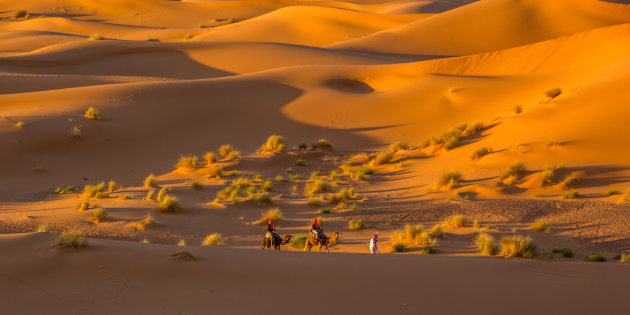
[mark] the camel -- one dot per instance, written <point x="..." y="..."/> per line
<point x="266" y="242"/>
<point x="312" y="241"/>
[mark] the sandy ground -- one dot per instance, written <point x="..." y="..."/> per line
<point x="184" y="77"/>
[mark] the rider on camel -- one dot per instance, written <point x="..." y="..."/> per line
<point x="317" y="231"/>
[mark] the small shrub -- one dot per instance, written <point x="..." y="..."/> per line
<point x="294" y="189"/>
<point x="398" y="247"/>
<point x="209" y="158"/>
<point x="356" y="224"/>
<point x="263" y="199"/>
<point x="181" y="242"/>
<point x="450" y="179"/>
<point x="20" y="124"/>
<point x="325" y="210"/>
<point x="184" y="255"/>
<point x="301" y="162"/>
<point x="322" y="144"/>
<point x="342" y="195"/>
<point x="72" y="239"/>
<point x="19" y="14"/>
<point x="360" y="173"/>
<point x="296" y="177"/>
<point x="112" y="186"/>
<point x="315" y="175"/>
<point x="233" y="156"/>
<point x="612" y="192"/>
<point x="624" y="258"/>
<point x="271" y="214"/>
<point x="187" y="163"/>
<point x="43" y="228"/>
<point x="274" y="143"/>
<point x="553" y="93"/>
<point x="318" y="186"/>
<point x="213" y="239"/>
<point x="481" y="152"/>
<point x="313" y="202"/>
<point x="65" y="190"/>
<point x="225" y="149"/>
<point x="281" y="178"/>
<point x="437" y="231"/>
<point x="150" y="181"/>
<point x="455" y="221"/>
<point x="162" y="193"/>
<point x="518" y="109"/>
<point x="90" y="191"/>
<point x="150" y="194"/>
<point x="188" y="36"/>
<point x="518" y="246"/>
<point x="124" y="197"/>
<point x="595" y="257"/>
<point x="241" y="183"/>
<point x="539" y="225"/>
<point x="334" y="176"/>
<point x="92" y="113"/>
<point x="398" y="146"/>
<point x="75" y="133"/>
<point x="423" y="239"/>
<point x="302" y="146"/>
<point x="299" y="241"/>
<point x="96" y="36"/>
<point x="98" y="215"/>
<point x="382" y="158"/>
<point x="169" y="204"/>
<point x="266" y="186"/>
<point x="196" y="185"/>
<point x="486" y="245"/>
<point x="148" y="220"/>
<point x="429" y="250"/>
<point x="566" y="252"/>
<point x="214" y="171"/>
<point x="570" y="195"/>
<point x="349" y="206"/>
<point x="476" y="224"/>
<point x="411" y="231"/>
<point x="511" y="174"/>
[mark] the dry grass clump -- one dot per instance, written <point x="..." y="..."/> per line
<point x="381" y="158"/>
<point x="612" y="192"/>
<point x="511" y="174"/>
<point x="266" y="186"/>
<point x="322" y="144"/>
<point x="148" y="220"/>
<point x="281" y="179"/>
<point x="325" y="210"/>
<point x="98" y="215"/>
<point x="452" y="138"/>
<point x="411" y="231"/>
<point x="225" y="149"/>
<point x="479" y="153"/>
<point x="71" y="239"/>
<point x="398" y="247"/>
<point x="424" y="239"/>
<point x="595" y="257"/>
<point x="214" y="171"/>
<point x="233" y="156"/>
<point x="360" y="173"/>
<point x="19" y="14"/>
<point x="75" y="133"/>
<point x="162" y="193"/>
<point x="301" y="162"/>
<point x="549" y="175"/>
<point x="455" y="222"/>
<point x="209" y="158"/>
<point x="348" y="206"/>
<point x="184" y="255"/>
<point x="196" y="185"/>
<point x="229" y="193"/>
<point x="437" y="231"/>
<point x="398" y="146"/>
<point x="624" y="258"/>
<point x="92" y="113"/>
<point x="95" y="36"/>
<point x="262" y="199"/>
<point x="65" y="190"/>
<point x="83" y="205"/>
<point x="342" y="195"/>
<point x="98" y="191"/>
<point x="570" y="195"/>
<point x="449" y="179"/>
<point x="518" y="246"/>
<point x="271" y="214"/>
<point x="553" y="93"/>
<point x="213" y="239"/>
<point x="274" y="143"/>
<point x="313" y="202"/>
<point x="181" y="242"/>
<point x="540" y="225"/>
<point x="566" y="252"/>
<point x="44" y="228"/>
<point x="150" y="181"/>
<point x="188" y="36"/>
<point x="186" y="163"/>
<point x="486" y="245"/>
<point x="168" y="204"/>
<point x="112" y="186"/>
<point x="356" y="224"/>
<point x="317" y="186"/>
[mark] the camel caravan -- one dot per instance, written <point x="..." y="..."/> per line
<point x="316" y="237"/>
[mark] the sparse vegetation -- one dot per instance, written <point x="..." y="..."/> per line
<point x="262" y="199"/>
<point x="612" y="192"/>
<point x="325" y="210"/>
<point x="98" y="215"/>
<point x="75" y="133"/>
<point x="511" y="174"/>
<point x="98" y="190"/>
<point x="233" y="156"/>
<point x="65" y="190"/>
<point x="225" y="149"/>
<point x="518" y="246"/>
<point x="481" y="152"/>
<point x="162" y="193"/>
<point x="281" y="179"/>
<point x="342" y="195"/>
<point x="348" y="206"/>
<point x="112" y="186"/>
<point x="214" y="171"/>
<point x="274" y="143"/>
<point x="398" y="247"/>
<point x="356" y="224"/>
<point x="595" y="257"/>
<point x="187" y="163"/>
<point x="184" y="255"/>
<point x="266" y="186"/>
<point x="570" y="195"/>
<point x="398" y="146"/>
<point x="437" y="231"/>
<point x="71" y="239"/>
<point x="455" y="221"/>
<point x="553" y="93"/>
<point x="169" y="204"/>
<point x="209" y="158"/>
<point x="188" y="36"/>
<point x="317" y="186"/>
<point x="213" y="239"/>
<point x="553" y="143"/>
<point x="486" y="245"/>
<point x="424" y="239"/>
<point x="83" y="205"/>
<point x="540" y="225"/>
<point x="452" y="138"/>
<point x="301" y="162"/>
<point x="271" y="214"/>
<point x="382" y="158"/>
<point x="20" y="14"/>
<point x="450" y="179"/>
<point x="299" y="241"/>
<point x="92" y="113"/>
<point x="44" y="228"/>
<point x="313" y="202"/>
<point x="566" y="252"/>
<point x="95" y="36"/>
<point x="150" y="181"/>
<point x="322" y="144"/>
<point x="429" y="250"/>
<point x="196" y="185"/>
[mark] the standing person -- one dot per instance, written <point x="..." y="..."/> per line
<point x="374" y="245"/>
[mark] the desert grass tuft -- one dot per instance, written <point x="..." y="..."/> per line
<point x="553" y="93"/>
<point x="344" y="194"/>
<point x="71" y="239"/>
<point x="266" y="186"/>
<point x="169" y="204"/>
<point x="99" y="215"/>
<point x="518" y="246"/>
<point x="424" y="239"/>
<point x="162" y="193"/>
<point x="83" y="205"/>
<point x="187" y="163"/>
<point x="450" y="179"/>
<point x="479" y="153"/>
<point x="486" y="245"/>
<point x="92" y="113"/>
<point x="150" y="181"/>
<point x="356" y="224"/>
<point x="233" y="156"/>
<point x="381" y="158"/>
<point x="262" y="199"/>
<point x="209" y="158"/>
<point x="196" y="185"/>
<point x="313" y="202"/>
<point x="214" y="171"/>
<point x="65" y="190"/>
<point x="612" y="192"/>
<point x="429" y="250"/>
<point x="566" y="252"/>
<point x="96" y="36"/>
<point x="112" y="186"/>
<point x="299" y="241"/>
<point x="213" y="239"/>
<point x="398" y="247"/>
<point x="90" y="191"/>
<point x="322" y="144"/>
<point x="274" y="143"/>
<point x="398" y="146"/>
<point x="325" y="210"/>
<point x="281" y="179"/>
<point x="20" y="14"/>
<point x="44" y="228"/>
<point x="225" y="149"/>
<point x="317" y="186"/>
<point x="75" y="133"/>
<point x="570" y="195"/>
<point x="540" y="225"/>
<point x="271" y="214"/>
<point x="411" y="231"/>
<point x="437" y="231"/>
<point x="595" y="257"/>
<point x="455" y="221"/>
<point x="511" y="174"/>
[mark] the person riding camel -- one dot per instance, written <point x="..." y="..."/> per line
<point x="271" y="232"/>
<point x="316" y="230"/>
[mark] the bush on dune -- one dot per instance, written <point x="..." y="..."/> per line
<point x="214" y="171"/>
<point x="213" y="239"/>
<point x="518" y="246"/>
<point x="455" y="222"/>
<point x="356" y="224"/>
<point x="299" y="241"/>
<point x="479" y="153"/>
<point x="274" y="143"/>
<point x="209" y="158"/>
<point x="540" y="225"/>
<point x="150" y="181"/>
<point x="169" y="204"/>
<point x="271" y="214"/>
<point x="187" y="163"/>
<point x="98" y="215"/>
<point x="450" y="179"/>
<point x="318" y="186"/>
<point x="511" y="174"/>
<point x="322" y="144"/>
<point x="92" y="113"/>
<point x="486" y="245"/>
<point x="398" y="146"/>
<point x="71" y="239"/>
<point x="225" y="149"/>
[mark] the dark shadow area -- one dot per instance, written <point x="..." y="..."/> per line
<point x="350" y="86"/>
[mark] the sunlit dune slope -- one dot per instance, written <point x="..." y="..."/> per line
<point x="491" y="25"/>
